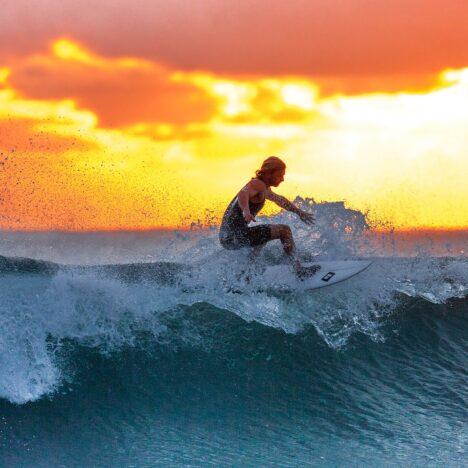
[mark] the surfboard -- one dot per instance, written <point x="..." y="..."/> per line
<point x="283" y="278"/>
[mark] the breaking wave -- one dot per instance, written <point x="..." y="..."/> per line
<point x="48" y="308"/>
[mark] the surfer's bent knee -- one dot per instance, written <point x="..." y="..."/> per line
<point x="280" y="231"/>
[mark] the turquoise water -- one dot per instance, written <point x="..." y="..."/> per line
<point x="251" y="394"/>
<point x="160" y="363"/>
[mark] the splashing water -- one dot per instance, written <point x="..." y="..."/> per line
<point x="45" y="305"/>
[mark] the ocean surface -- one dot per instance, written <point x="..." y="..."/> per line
<point x="134" y="349"/>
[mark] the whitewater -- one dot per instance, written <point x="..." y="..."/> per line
<point x="149" y="348"/>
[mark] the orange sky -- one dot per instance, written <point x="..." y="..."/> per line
<point x="139" y="117"/>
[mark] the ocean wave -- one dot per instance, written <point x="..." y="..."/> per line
<point x="110" y="307"/>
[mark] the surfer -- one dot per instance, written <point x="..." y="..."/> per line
<point x="235" y="232"/>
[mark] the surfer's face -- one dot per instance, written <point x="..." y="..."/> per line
<point x="276" y="177"/>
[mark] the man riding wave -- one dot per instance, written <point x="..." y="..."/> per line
<point x="235" y="232"/>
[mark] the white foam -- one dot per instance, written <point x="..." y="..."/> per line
<point x="38" y="312"/>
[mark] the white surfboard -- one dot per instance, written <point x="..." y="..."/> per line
<point x="283" y="278"/>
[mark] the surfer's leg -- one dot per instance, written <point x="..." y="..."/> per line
<point x="255" y="237"/>
<point x="258" y="236"/>
<point x="252" y="267"/>
<point x="229" y="242"/>
<point x="284" y="234"/>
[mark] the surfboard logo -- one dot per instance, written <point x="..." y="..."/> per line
<point x="328" y="276"/>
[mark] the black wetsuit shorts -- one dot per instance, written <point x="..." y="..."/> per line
<point x="235" y="233"/>
<point x="250" y="237"/>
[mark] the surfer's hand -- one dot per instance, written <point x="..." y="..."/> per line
<point x="248" y="217"/>
<point x="307" y="218"/>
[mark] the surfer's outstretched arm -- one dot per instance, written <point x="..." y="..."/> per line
<point x="284" y="203"/>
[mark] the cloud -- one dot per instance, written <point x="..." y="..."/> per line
<point x="73" y="167"/>
<point x="119" y="91"/>
<point x="149" y="98"/>
<point x="34" y="126"/>
<point x="362" y="40"/>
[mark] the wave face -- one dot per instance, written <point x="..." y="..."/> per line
<point x="162" y="360"/>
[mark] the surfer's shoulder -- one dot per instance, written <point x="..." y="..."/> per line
<point x="257" y="184"/>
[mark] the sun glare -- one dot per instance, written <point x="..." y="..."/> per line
<point x="235" y="97"/>
<point x="298" y="95"/>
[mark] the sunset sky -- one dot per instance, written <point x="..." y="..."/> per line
<point x="124" y="114"/>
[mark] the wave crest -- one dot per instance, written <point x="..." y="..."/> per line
<point x="107" y="307"/>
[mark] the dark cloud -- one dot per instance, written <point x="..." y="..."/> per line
<point x="118" y="95"/>
<point x="307" y="37"/>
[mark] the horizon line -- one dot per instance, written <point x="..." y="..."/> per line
<point x="213" y="227"/>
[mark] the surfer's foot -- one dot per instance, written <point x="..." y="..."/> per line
<point x="304" y="272"/>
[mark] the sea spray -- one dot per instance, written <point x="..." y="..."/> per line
<point x="110" y="307"/>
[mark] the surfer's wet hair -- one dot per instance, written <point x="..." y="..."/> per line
<point x="271" y="164"/>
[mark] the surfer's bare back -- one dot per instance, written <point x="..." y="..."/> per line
<point x="235" y="232"/>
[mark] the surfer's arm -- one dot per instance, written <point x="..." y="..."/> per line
<point x="243" y="200"/>
<point x="284" y="203"/>
<point x="250" y="190"/>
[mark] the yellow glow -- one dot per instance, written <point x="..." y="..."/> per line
<point x="68" y="50"/>
<point x="298" y="95"/>
<point x="235" y="97"/>
<point x="164" y="130"/>
<point x="454" y="76"/>
<point x="4" y="74"/>
<point x="400" y="155"/>
<point x="259" y="131"/>
<point x="242" y="97"/>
